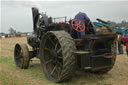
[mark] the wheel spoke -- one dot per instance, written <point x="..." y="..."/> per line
<point x="59" y="57"/>
<point x="79" y="22"/>
<point x="51" y="40"/>
<point x="80" y="29"/>
<point x="58" y="69"/>
<point x="83" y="26"/>
<point x="21" y="61"/>
<point x="56" y="45"/>
<point x="58" y="51"/>
<point x="49" y="61"/>
<point x="21" y="53"/>
<point x="59" y="64"/>
<point x="53" y="69"/>
<point x="18" y="50"/>
<point x="47" y="49"/>
<point x="74" y="24"/>
<point x="18" y="57"/>
<point x="77" y="27"/>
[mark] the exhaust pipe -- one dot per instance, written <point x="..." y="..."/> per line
<point x="35" y="14"/>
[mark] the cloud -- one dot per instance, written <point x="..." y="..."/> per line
<point x="20" y="3"/>
<point x="18" y="13"/>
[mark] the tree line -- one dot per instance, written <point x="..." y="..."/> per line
<point x="112" y="25"/>
<point x="122" y="24"/>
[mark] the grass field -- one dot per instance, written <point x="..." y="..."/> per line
<point x="11" y="75"/>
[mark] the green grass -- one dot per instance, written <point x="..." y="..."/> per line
<point x="34" y="69"/>
<point x="35" y="72"/>
<point x="8" y="61"/>
<point x="7" y="79"/>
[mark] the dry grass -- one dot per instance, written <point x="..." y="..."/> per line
<point x="7" y="45"/>
<point x="34" y="76"/>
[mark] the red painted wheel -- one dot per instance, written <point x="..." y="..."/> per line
<point x="78" y="25"/>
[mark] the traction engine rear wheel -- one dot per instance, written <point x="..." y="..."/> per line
<point x="113" y="51"/>
<point x="56" y="55"/>
<point x="21" y="56"/>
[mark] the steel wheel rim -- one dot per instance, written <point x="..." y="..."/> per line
<point x="53" y="57"/>
<point x="113" y="51"/>
<point x="18" y="56"/>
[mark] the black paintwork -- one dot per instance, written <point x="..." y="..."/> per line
<point x="98" y="46"/>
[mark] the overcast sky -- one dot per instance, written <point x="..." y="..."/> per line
<point x="17" y="14"/>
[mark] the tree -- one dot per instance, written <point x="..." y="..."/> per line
<point x="12" y="31"/>
<point x="112" y="23"/>
<point x="122" y="24"/>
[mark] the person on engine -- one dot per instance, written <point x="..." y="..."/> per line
<point x="89" y="29"/>
<point x="83" y="16"/>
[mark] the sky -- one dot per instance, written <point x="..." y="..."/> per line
<point x="18" y="15"/>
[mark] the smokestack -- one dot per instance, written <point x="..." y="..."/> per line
<point x="35" y="14"/>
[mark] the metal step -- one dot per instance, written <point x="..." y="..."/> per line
<point x="106" y="55"/>
<point x="87" y="68"/>
<point x="81" y="52"/>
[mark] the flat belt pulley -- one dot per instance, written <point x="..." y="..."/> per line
<point x="78" y="25"/>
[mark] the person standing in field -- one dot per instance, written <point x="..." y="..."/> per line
<point x="120" y="45"/>
<point x="125" y="39"/>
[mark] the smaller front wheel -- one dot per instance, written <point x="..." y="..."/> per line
<point x="21" y="56"/>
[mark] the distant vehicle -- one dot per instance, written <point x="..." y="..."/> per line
<point x="2" y="36"/>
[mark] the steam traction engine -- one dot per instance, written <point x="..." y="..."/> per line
<point x="61" y="49"/>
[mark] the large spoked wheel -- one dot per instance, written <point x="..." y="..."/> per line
<point x="56" y="55"/>
<point x="114" y="52"/>
<point x="21" y="56"/>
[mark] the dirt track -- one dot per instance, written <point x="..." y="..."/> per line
<point x="117" y="76"/>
